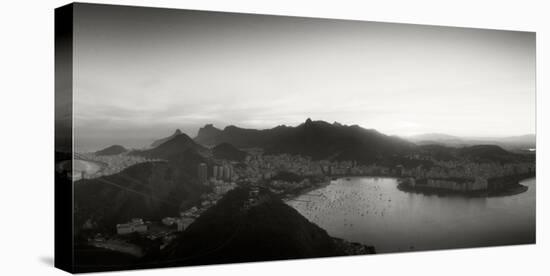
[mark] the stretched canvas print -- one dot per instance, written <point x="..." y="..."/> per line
<point x="190" y="137"/>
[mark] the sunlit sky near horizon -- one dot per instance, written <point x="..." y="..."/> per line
<point x="141" y="73"/>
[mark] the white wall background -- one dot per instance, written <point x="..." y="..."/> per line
<point x="26" y="145"/>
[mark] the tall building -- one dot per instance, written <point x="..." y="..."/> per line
<point x="203" y="173"/>
<point x="226" y="172"/>
<point x="220" y="172"/>
<point x="215" y="171"/>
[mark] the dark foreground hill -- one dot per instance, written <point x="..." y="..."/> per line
<point x="151" y="191"/>
<point x="112" y="150"/>
<point x="317" y="139"/>
<point x="228" y="152"/>
<point x="228" y="232"/>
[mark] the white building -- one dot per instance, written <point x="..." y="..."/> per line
<point x="136" y="225"/>
<point x="183" y="223"/>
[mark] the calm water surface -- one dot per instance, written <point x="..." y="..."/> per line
<point x="374" y="212"/>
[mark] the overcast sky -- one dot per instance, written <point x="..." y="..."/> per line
<point x="142" y="73"/>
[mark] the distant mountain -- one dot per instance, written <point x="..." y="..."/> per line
<point x="112" y="150"/>
<point x="522" y="142"/>
<point x="440" y="152"/>
<point x="322" y="140"/>
<point x="228" y="152"/>
<point x="165" y="139"/>
<point x="489" y="153"/>
<point x="238" y="137"/>
<point x="477" y="153"/>
<point x="434" y="137"/>
<point x="208" y="135"/>
<point x="228" y="232"/>
<point x="317" y="139"/>
<point x="150" y="190"/>
<point x="172" y="148"/>
<point x="527" y="140"/>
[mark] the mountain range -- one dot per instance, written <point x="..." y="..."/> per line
<point x="316" y="139"/>
<point x="321" y="140"/>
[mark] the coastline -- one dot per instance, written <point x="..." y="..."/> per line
<point x="297" y="193"/>
<point x="349" y="247"/>
<point x="294" y="194"/>
<point x="353" y="248"/>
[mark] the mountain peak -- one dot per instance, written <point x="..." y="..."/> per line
<point x="316" y="139"/>
<point x="172" y="148"/>
<point x="112" y="150"/>
<point x="158" y="142"/>
<point x="207" y="134"/>
<point x="182" y="136"/>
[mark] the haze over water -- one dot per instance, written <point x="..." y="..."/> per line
<point x="373" y="211"/>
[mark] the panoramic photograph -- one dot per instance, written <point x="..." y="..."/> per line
<point x="206" y="137"/>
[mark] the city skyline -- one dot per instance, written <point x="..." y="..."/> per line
<point x="136" y="80"/>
